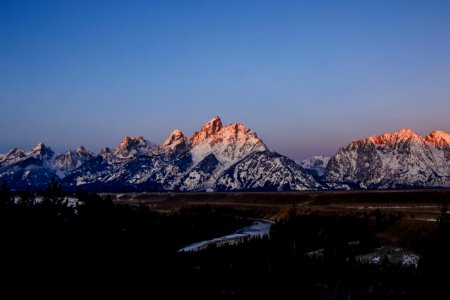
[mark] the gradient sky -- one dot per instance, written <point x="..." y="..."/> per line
<point x="307" y="76"/>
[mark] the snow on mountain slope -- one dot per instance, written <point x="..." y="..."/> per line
<point x="175" y="145"/>
<point x="193" y="164"/>
<point x="32" y="169"/>
<point x="440" y="140"/>
<point x="202" y="177"/>
<point x="266" y="171"/>
<point x="130" y="147"/>
<point x="154" y="169"/>
<point x="233" y="158"/>
<point x="228" y="144"/>
<point x="30" y="173"/>
<point x="40" y="151"/>
<point x="315" y="165"/>
<point x="175" y="141"/>
<point x="70" y="160"/>
<point x="215" y="148"/>
<point x="393" y="160"/>
<point x="12" y="157"/>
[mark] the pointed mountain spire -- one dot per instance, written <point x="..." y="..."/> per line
<point x="81" y="149"/>
<point x="173" y="138"/>
<point x="207" y="130"/>
<point x="41" y="150"/>
<point x="131" y="146"/>
<point x="213" y="126"/>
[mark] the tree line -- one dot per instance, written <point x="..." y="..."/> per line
<point x="82" y="241"/>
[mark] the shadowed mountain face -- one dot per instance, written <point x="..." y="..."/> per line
<point x="202" y="162"/>
<point x="316" y="165"/>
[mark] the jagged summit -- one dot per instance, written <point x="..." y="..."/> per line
<point x="14" y="152"/>
<point x="105" y="151"/>
<point x="215" y="158"/>
<point x="129" y="142"/>
<point x="131" y="146"/>
<point x="233" y="157"/>
<point x="438" y="137"/>
<point x="402" y="135"/>
<point x="406" y="134"/>
<point x="176" y="143"/>
<point x="39" y="147"/>
<point x="228" y="144"/>
<point x="70" y="160"/>
<point x="81" y="149"/>
<point x="207" y="130"/>
<point x="391" y="160"/>
<point x="12" y="156"/>
<point x="41" y="150"/>
<point x="213" y="126"/>
<point x="440" y="133"/>
<point x="173" y="138"/>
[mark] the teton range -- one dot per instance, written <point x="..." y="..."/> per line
<point x="232" y="158"/>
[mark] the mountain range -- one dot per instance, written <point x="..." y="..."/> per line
<point x="393" y="160"/>
<point x="233" y="158"/>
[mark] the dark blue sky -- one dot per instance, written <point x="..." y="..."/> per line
<point x="307" y="76"/>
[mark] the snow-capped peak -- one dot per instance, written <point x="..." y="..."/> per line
<point x="128" y="141"/>
<point x="398" y="159"/>
<point x="81" y="150"/>
<point x="106" y="153"/>
<point x="174" y="138"/>
<point x="399" y="136"/>
<point x="14" y="153"/>
<point x="207" y="130"/>
<point x="130" y="146"/>
<point x="70" y="160"/>
<point x="228" y="144"/>
<point x="213" y="126"/>
<point x="38" y="147"/>
<point x="438" y="137"/>
<point x="42" y="151"/>
<point x="12" y="156"/>
<point x="176" y="143"/>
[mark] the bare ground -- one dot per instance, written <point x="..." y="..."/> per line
<point x="424" y="205"/>
<point x="419" y="208"/>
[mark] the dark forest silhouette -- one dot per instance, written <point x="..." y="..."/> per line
<point x="48" y="241"/>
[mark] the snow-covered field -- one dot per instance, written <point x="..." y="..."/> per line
<point x="399" y="256"/>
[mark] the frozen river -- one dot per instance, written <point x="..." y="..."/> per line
<point x="259" y="228"/>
